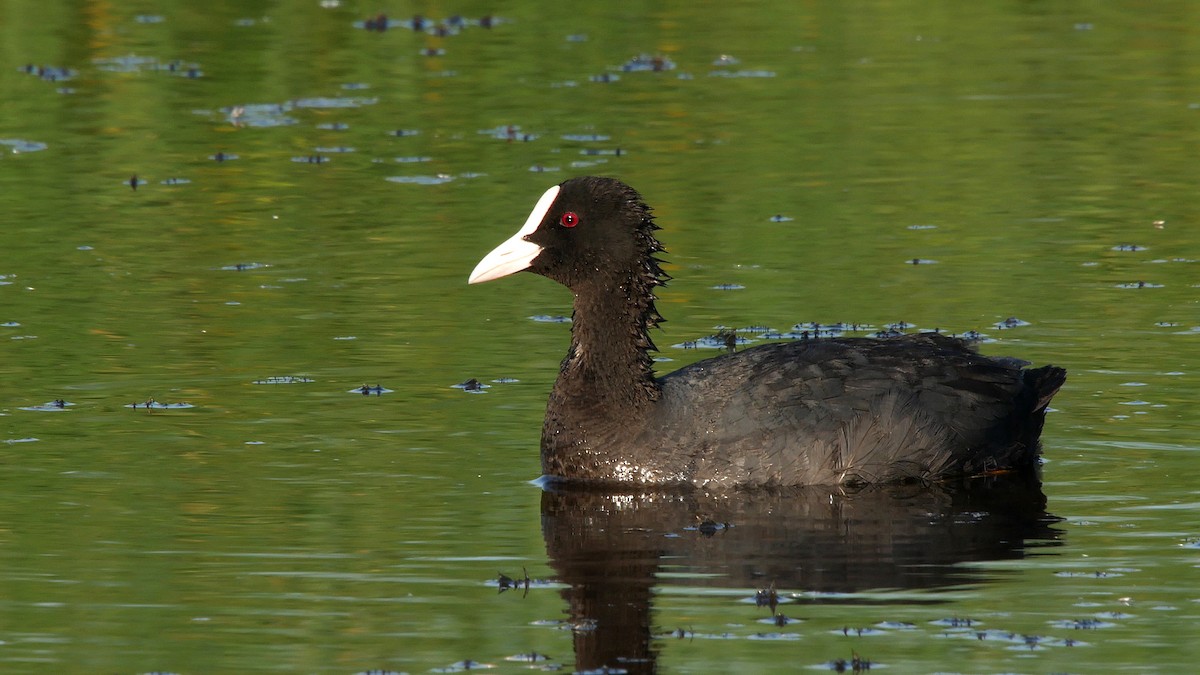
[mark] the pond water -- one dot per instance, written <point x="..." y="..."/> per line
<point x="233" y="309"/>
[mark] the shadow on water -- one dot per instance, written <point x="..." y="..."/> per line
<point x="610" y="548"/>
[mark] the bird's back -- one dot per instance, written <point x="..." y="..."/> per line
<point x="852" y="410"/>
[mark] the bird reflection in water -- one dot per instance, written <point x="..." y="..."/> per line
<point x="607" y="548"/>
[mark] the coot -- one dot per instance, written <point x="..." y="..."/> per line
<point x="816" y="412"/>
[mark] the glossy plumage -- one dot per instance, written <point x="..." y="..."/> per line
<point x="828" y="411"/>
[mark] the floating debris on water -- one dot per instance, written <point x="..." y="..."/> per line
<point x="922" y="227"/>
<point x="463" y="666"/>
<point x="411" y="160"/>
<point x="645" y="63"/>
<point x="284" y="379"/>
<point x="539" y="168"/>
<point x="1082" y="624"/>
<point x="244" y="267"/>
<point x="509" y="132"/>
<point x="1128" y="247"/>
<point x="1139" y="284"/>
<point x="773" y="636"/>
<point x="531" y="657"/>
<point x="472" y="386"/>
<point x="585" y="138"/>
<point x="422" y="180"/>
<point x="780" y="218"/>
<point x="1098" y="574"/>
<point x="920" y="261"/>
<point x="856" y="664"/>
<point x="505" y="380"/>
<point x="404" y="132"/>
<point x="11" y="441"/>
<point x="174" y="181"/>
<point x="767" y="597"/>
<point x="57" y="405"/>
<point x="727" y="287"/>
<point x="956" y="622"/>
<point x="260" y="115"/>
<point x="604" y="78"/>
<point x="151" y="404"/>
<point x="780" y="620"/>
<point x="505" y="582"/>
<point x="311" y="159"/>
<point x="325" y="102"/>
<point x="742" y="73"/>
<point x="594" y="152"/>
<point x="333" y="126"/>
<point x="368" y="390"/>
<point x="548" y="318"/>
<point x="723" y="340"/>
<point x="726" y="60"/>
<point x="20" y="145"/>
<point x="223" y="157"/>
<point x="335" y="149"/>
<point x="861" y="631"/>
<point x="132" y="63"/>
<point x="1011" y="322"/>
<point x="49" y="73"/>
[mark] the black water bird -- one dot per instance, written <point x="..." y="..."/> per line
<point x="815" y="412"/>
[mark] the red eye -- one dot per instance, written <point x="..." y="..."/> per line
<point x="568" y="219"/>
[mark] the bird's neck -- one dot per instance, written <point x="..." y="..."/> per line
<point x="609" y="360"/>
